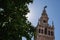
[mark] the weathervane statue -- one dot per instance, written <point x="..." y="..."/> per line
<point x="45" y="7"/>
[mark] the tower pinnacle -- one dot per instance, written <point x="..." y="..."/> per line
<point x="44" y="11"/>
<point x="52" y="24"/>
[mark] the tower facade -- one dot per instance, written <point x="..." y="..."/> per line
<point x="44" y="31"/>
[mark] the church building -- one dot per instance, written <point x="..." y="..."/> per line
<point x="44" y="31"/>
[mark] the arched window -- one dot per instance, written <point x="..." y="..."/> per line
<point x="48" y="32"/>
<point x="44" y="21"/>
<point x="52" y="33"/>
<point x="45" y="30"/>
<point x="41" y="31"/>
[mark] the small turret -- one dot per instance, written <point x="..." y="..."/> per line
<point x="52" y="24"/>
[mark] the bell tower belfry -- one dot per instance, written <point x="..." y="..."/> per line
<point x="44" y="31"/>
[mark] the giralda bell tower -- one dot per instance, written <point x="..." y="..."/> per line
<point x="44" y="31"/>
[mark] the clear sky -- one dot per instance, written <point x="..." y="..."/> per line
<point x="53" y="11"/>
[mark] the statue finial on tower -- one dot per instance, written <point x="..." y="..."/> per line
<point x="44" y="11"/>
<point x="45" y="7"/>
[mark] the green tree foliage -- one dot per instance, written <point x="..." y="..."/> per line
<point x="13" y="21"/>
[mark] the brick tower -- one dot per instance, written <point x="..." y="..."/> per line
<point x="44" y="31"/>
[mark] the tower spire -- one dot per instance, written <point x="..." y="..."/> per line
<point x="44" y="17"/>
<point x="44" y="11"/>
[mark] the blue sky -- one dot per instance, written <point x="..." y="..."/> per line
<point x="53" y="11"/>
